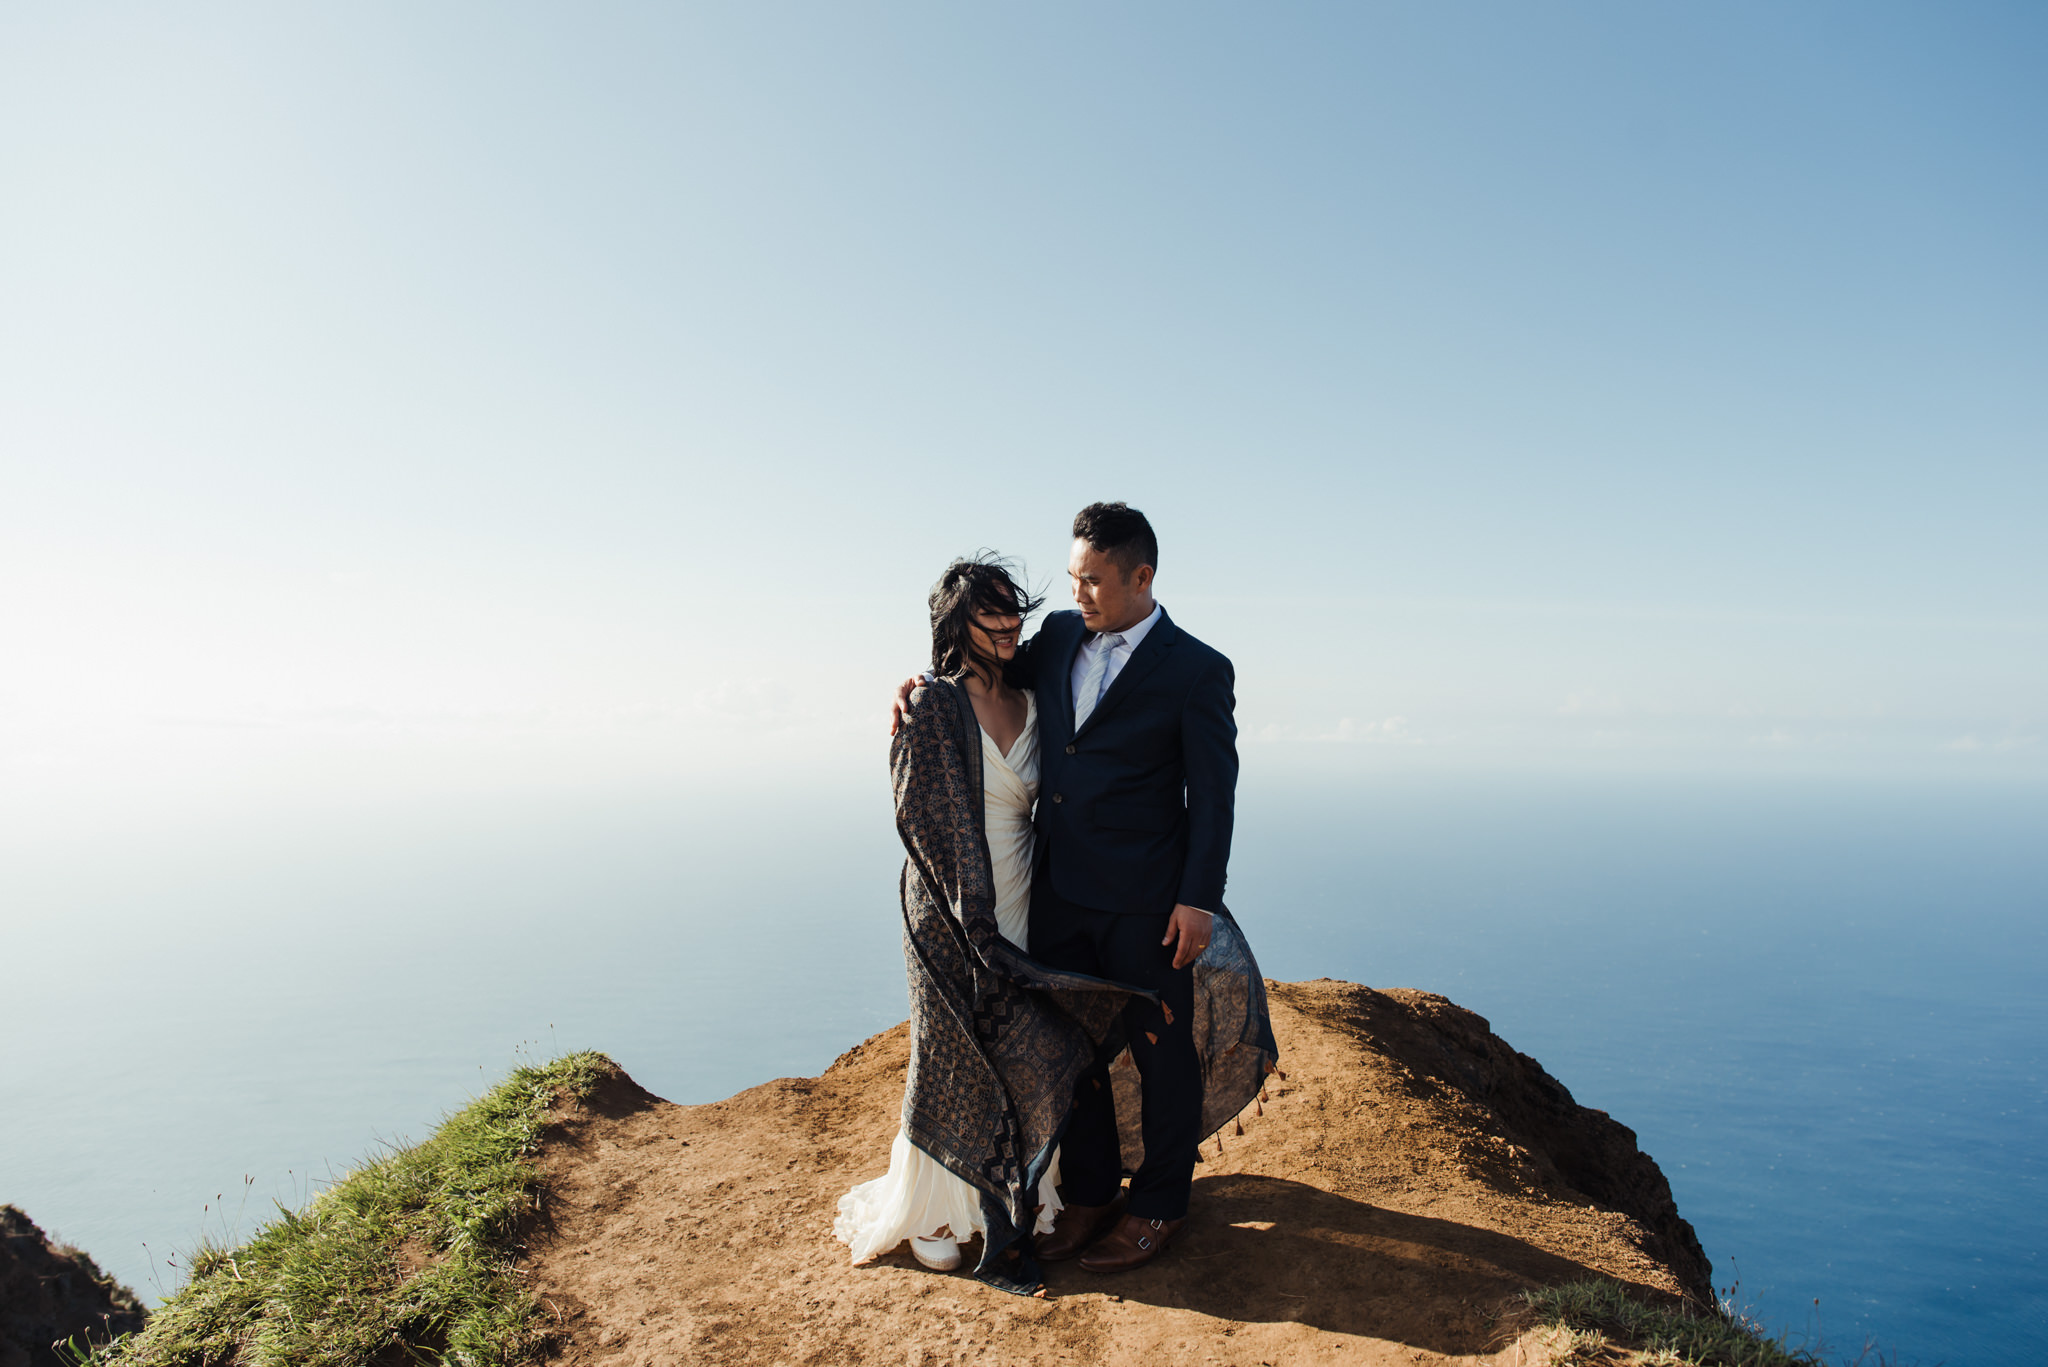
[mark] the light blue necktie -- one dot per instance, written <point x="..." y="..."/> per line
<point x="1095" y="681"/>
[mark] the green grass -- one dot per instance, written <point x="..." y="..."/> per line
<point x="406" y="1259"/>
<point x="1608" y="1326"/>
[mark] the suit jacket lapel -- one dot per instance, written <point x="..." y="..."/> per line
<point x="1143" y="661"/>
<point x="1057" y="679"/>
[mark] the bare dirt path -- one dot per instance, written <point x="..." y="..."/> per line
<point x="1383" y="1204"/>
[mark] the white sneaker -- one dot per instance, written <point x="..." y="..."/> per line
<point x="939" y="1252"/>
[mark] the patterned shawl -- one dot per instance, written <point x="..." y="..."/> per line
<point x="999" y="1042"/>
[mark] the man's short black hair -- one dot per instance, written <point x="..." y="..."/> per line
<point x="1120" y="532"/>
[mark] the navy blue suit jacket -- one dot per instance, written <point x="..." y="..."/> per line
<point x="1135" y="808"/>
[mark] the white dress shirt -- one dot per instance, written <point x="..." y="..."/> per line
<point x="1120" y="655"/>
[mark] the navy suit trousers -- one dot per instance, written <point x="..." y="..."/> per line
<point x="1125" y="948"/>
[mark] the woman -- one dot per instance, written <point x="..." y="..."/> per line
<point x="999" y="1042"/>
<point x="970" y="718"/>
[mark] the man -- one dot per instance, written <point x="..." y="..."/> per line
<point x="1136" y="795"/>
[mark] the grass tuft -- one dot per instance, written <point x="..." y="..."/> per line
<point x="1605" y="1325"/>
<point x="406" y="1259"/>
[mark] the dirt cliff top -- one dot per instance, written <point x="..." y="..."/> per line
<point x="51" y="1291"/>
<point x="1408" y="1174"/>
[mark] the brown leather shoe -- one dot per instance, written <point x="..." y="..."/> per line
<point x="1133" y="1243"/>
<point x="1075" y="1227"/>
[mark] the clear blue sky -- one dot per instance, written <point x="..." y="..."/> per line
<point x="501" y="394"/>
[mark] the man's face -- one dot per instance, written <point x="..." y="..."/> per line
<point x="1108" y="601"/>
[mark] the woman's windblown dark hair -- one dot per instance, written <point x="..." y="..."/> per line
<point x="986" y="583"/>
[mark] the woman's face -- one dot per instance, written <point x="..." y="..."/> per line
<point x="995" y="634"/>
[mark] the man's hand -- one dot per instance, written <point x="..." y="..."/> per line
<point x="1191" y="928"/>
<point x="902" y="703"/>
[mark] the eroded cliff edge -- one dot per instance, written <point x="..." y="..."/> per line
<point x="1522" y="1129"/>
<point x="50" y="1291"/>
<point x="1382" y="1204"/>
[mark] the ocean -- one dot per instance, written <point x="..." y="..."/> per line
<point x="1821" y="1005"/>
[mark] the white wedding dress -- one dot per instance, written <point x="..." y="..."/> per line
<point x="919" y="1197"/>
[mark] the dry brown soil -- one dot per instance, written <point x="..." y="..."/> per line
<point x="51" y="1291"/>
<point x="1382" y="1205"/>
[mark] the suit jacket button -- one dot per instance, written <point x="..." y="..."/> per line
<point x="1070" y="749"/>
<point x="1057" y="797"/>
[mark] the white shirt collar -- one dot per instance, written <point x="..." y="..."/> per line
<point x="1133" y="635"/>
